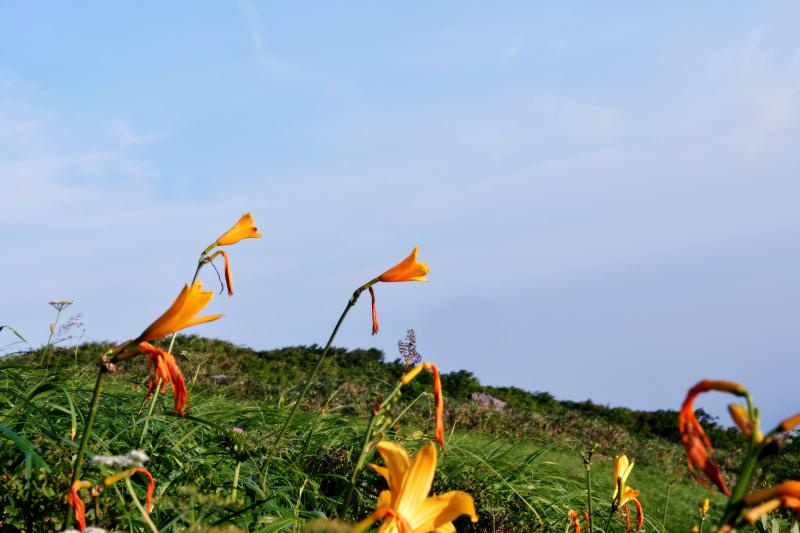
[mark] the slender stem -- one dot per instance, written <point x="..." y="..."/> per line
<point x="50" y="338"/>
<point x="235" y="480"/>
<point x="607" y="529"/>
<point x="138" y="504"/>
<point x="150" y="411"/>
<point x="666" y="504"/>
<point x="588" y="465"/>
<point x="310" y="380"/>
<point x="87" y="431"/>
<point x="702" y="523"/>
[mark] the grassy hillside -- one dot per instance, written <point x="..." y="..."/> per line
<point x="522" y="465"/>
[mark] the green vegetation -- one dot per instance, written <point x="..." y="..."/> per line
<point x="522" y="465"/>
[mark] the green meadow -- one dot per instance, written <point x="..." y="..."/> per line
<point x="219" y="468"/>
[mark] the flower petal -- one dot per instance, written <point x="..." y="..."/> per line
<point x="437" y="511"/>
<point x="397" y="462"/>
<point x="417" y="482"/>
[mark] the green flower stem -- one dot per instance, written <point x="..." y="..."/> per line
<point x="746" y="471"/>
<point x="587" y="463"/>
<point x="150" y="412"/>
<point x="607" y="529"/>
<point x="366" y="448"/>
<point x="310" y="380"/>
<point x="666" y="504"/>
<point x="235" y="480"/>
<point x="87" y="431"/>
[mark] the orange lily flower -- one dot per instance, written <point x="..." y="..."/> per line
<point x="243" y="229"/>
<point x="164" y="370"/>
<point x="406" y="507"/>
<point x="695" y="441"/>
<point x="786" y="495"/>
<point x="181" y="314"/>
<point x="409" y="269"/>
<point x="75" y="501"/>
<point x="437" y="395"/>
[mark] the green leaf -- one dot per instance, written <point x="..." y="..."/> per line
<point x="32" y="458"/>
<point x="23" y="339"/>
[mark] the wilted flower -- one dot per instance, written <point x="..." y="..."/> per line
<point x="437" y="395"/>
<point x="695" y="441"/>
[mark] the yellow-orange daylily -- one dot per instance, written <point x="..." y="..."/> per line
<point x="243" y="229"/>
<point x="409" y="269"/>
<point x="623" y="493"/>
<point x="181" y="314"/>
<point x="406" y="507"/>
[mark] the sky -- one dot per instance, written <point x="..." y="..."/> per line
<point x="606" y="194"/>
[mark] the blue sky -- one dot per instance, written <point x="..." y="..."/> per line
<point x="606" y="195"/>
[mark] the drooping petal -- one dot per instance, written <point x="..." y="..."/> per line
<point x="409" y="269"/>
<point x="374" y="311"/>
<point x="695" y="440"/>
<point x="165" y="370"/>
<point x="439" y="399"/>
<point x="75" y="501"/>
<point x="417" y="481"/>
<point x="437" y="511"/>
<point x="575" y="521"/>
<point x="639" y="515"/>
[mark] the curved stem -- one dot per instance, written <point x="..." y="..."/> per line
<point x="310" y="380"/>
